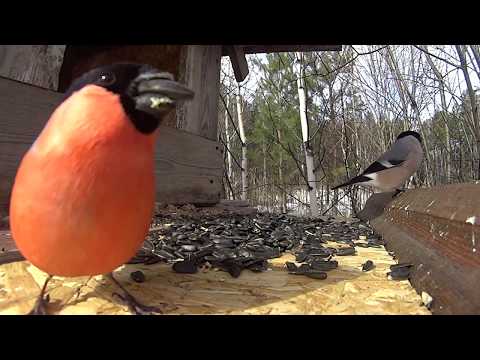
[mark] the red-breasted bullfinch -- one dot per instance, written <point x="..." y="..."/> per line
<point x="84" y="193"/>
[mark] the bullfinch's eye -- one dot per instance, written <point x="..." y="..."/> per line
<point x="106" y="79"/>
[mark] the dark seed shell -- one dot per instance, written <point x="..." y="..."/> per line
<point x="137" y="276"/>
<point x="324" y="265"/>
<point x="185" y="267"/>
<point x="317" y="275"/>
<point x="291" y="266"/>
<point x="368" y="265"/>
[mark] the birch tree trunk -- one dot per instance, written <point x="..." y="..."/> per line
<point x="244" y="145"/>
<point x="305" y="134"/>
<point x="227" y="140"/>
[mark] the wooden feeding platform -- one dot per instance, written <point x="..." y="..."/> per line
<point x="346" y="290"/>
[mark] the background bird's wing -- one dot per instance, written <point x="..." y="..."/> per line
<point x="397" y="154"/>
<point x="394" y="157"/>
<point x="381" y="165"/>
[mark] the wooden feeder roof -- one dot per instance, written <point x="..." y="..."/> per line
<point x="258" y="49"/>
<point x="239" y="62"/>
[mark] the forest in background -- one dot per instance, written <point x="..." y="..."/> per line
<point x="302" y="123"/>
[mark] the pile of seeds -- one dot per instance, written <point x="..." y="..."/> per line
<point x="233" y="243"/>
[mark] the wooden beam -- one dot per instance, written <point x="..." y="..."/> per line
<point x="37" y="65"/>
<point x="238" y="61"/>
<point x="438" y="231"/>
<point x="200" y="71"/>
<point x="188" y="167"/>
<point x="256" y="49"/>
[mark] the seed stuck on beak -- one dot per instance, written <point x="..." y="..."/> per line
<point x="158" y="93"/>
<point x="157" y="102"/>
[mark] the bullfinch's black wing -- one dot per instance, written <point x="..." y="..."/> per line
<point x="378" y="166"/>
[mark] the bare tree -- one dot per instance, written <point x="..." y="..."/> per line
<point x="473" y="100"/>
<point x="305" y="133"/>
<point x="244" y="144"/>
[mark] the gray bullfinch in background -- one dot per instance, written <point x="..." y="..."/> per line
<point x="390" y="171"/>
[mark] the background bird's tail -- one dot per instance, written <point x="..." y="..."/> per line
<point x="355" y="180"/>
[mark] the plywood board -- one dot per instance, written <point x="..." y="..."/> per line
<point x="347" y="290"/>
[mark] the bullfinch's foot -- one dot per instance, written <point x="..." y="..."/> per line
<point x="40" y="307"/>
<point x="132" y="303"/>
<point x="137" y="308"/>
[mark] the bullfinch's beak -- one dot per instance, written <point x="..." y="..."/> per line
<point x="156" y="93"/>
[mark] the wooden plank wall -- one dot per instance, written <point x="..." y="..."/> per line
<point x="24" y="110"/>
<point x="55" y="66"/>
<point x="200" y="71"/>
<point x="189" y="167"/>
<point x="32" y="64"/>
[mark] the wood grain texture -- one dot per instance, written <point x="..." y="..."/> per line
<point x="255" y="49"/>
<point x="37" y="65"/>
<point x="437" y="230"/>
<point x="347" y="290"/>
<point x="6" y="241"/>
<point x="200" y="71"/>
<point x="238" y="61"/>
<point x="24" y="110"/>
<point x="188" y="167"/>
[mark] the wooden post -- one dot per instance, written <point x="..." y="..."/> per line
<point x="200" y="71"/>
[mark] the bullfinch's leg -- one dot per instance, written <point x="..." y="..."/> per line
<point x="42" y="300"/>
<point x="132" y="303"/>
